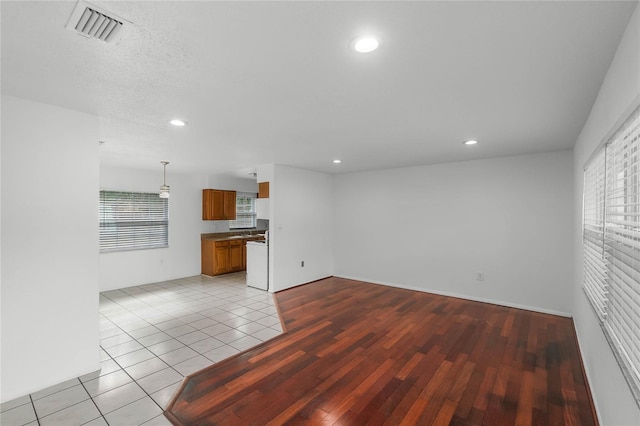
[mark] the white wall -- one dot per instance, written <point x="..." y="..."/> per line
<point x="182" y="257"/>
<point x="300" y="227"/>
<point x="232" y="183"/>
<point x="1" y="399"/>
<point x="433" y="228"/>
<point x="620" y="89"/>
<point x="49" y="246"/>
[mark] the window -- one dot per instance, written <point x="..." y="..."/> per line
<point x="133" y="221"/>
<point x="245" y="211"/>
<point x="593" y="235"/>
<point x="611" y="244"/>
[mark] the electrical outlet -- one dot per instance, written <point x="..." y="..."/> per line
<point x="480" y="276"/>
<point x="302" y="264"/>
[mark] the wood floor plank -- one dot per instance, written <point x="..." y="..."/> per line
<point x="423" y="400"/>
<point x="461" y="382"/>
<point x="445" y="414"/>
<point x="482" y="396"/>
<point x="359" y="353"/>
<point x="526" y="399"/>
<point x="469" y="393"/>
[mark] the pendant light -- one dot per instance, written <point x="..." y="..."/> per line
<point x="164" y="189"/>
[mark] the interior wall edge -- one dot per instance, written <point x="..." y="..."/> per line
<point x="587" y="372"/>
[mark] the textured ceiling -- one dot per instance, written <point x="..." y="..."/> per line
<point x="276" y="82"/>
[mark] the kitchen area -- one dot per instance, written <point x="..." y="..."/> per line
<point x="298" y="201"/>
<point x="245" y="247"/>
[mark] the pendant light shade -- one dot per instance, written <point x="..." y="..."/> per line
<point x="164" y="189"/>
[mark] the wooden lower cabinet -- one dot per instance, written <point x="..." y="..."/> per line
<point x="222" y="257"/>
<point x="207" y="254"/>
<point x="235" y="255"/>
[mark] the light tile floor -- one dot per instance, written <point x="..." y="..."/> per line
<point x="151" y="337"/>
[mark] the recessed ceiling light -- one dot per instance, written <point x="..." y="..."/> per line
<point x="178" y="123"/>
<point x="365" y="44"/>
<point x="470" y="142"/>
<point x="337" y="161"/>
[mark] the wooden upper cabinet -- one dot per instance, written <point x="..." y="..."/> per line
<point x="218" y="204"/>
<point x="263" y="190"/>
<point x="229" y="209"/>
<point x="215" y="204"/>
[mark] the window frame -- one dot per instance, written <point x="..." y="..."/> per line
<point x="132" y="220"/>
<point x="252" y="214"/>
<point x="616" y="298"/>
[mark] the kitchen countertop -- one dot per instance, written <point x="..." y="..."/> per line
<point x="231" y="236"/>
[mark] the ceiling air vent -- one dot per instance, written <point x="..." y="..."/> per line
<point x="90" y="21"/>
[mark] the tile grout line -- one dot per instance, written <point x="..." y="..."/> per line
<point x="33" y="405"/>
<point x="138" y="384"/>
<point x="38" y="418"/>
<point x="94" y="403"/>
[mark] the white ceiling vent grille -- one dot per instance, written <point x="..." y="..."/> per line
<point x="90" y="21"/>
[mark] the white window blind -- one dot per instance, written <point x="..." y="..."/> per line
<point x="612" y="185"/>
<point x="593" y="235"/>
<point x="133" y="221"/>
<point x="245" y="211"/>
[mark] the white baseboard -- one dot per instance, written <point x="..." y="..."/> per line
<point x="588" y="374"/>
<point x="462" y="296"/>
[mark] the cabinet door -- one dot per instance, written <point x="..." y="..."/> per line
<point x="235" y="256"/>
<point x="229" y="212"/>
<point x="263" y="190"/>
<point x="207" y="201"/>
<point x="212" y="204"/>
<point x="217" y="204"/>
<point x="221" y="259"/>
<point x="207" y="253"/>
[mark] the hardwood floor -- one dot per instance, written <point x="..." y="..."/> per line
<point x="358" y="353"/>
